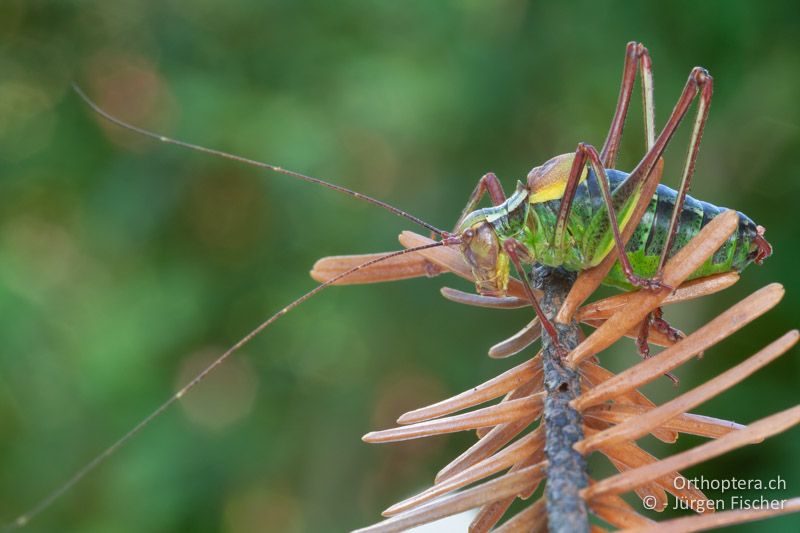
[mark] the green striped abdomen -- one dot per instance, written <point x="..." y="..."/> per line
<point x="648" y="240"/>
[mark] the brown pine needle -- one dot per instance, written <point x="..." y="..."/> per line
<point x="496" y="489"/>
<point x="494" y="439"/>
<point x="505" y="382"/>
<point x="534" y="385"/>
<point x="397" y="268"/>
<point x="486" y="446"/>
<point x="533" y="518"/>
<point x="517" y="342"/>
<point x="701" y="425"/>
<point x="488" y="416"/>
<point x="753" y="433"/>
<point x="476" y="300"/>
<point x="689" y="524"/>
<point x="696" y="288"/>
<point x="716" y="330"/>
<point x="687" y="260"/>
<point x="491" y="513"/>
<point x="636" y="427"/>
<point x="634" y="458"/>
<point x="654" y="337"/>
<point x="657" y="495"/>
<point x="589" y="280"/>
<point x="595" y="374"/>
<point x="450" y="259"/>
<point x="531" y="444"/>
<point x="617" y="512"/>
<point x="704" y="426"/>
<point x="616" y="515"/>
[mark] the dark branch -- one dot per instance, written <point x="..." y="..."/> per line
<point x="566" y="472"/>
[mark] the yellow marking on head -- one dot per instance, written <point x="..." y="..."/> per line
<point x="548" y="181"/>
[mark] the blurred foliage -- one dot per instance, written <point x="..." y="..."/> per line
<point x="126" y="264"/>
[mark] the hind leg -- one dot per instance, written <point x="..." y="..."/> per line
<point x="636" y="57"/>
<point x="587" y="156"/>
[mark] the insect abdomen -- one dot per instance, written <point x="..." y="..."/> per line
<point x="645" y="246"/>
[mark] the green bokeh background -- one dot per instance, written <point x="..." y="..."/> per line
<point x="125" y="263"/>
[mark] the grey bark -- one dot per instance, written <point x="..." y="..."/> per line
<point x="566" y="471"/>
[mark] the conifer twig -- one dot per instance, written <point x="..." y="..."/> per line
<point x="566" y="471"/>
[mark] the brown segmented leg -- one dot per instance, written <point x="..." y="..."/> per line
<point x="699" y="82"/>
<point x="585" y="155"/>
<point x="636" y="56"/>
<point x="487" y="184"/>
<point x="703" y="84"/>
<point x="646" y="173"/>
<point x="516" y="251"/>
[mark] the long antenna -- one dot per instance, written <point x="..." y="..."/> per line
<point x="344" y="190"/>
<point x="48" y="500"/>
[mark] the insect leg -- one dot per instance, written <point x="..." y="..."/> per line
<point x="703" y="84"/>
<point x="516" y="250"/>
<point x="487" y="184"/>
<point x="643" y="179"/>
<point x="578" y="164"/>
<point x="699" y="82"/>
<point x="705" y="87"/>
<point x="636" y="56"/>
<point x="587" y="154"/>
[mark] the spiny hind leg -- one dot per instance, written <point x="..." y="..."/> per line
<point x="487" y="184"/>
<point x="699" y="83"/>
<point x="587" y="156"/>
<point x="703" y="86"/>
<point x="636" y="57"/>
